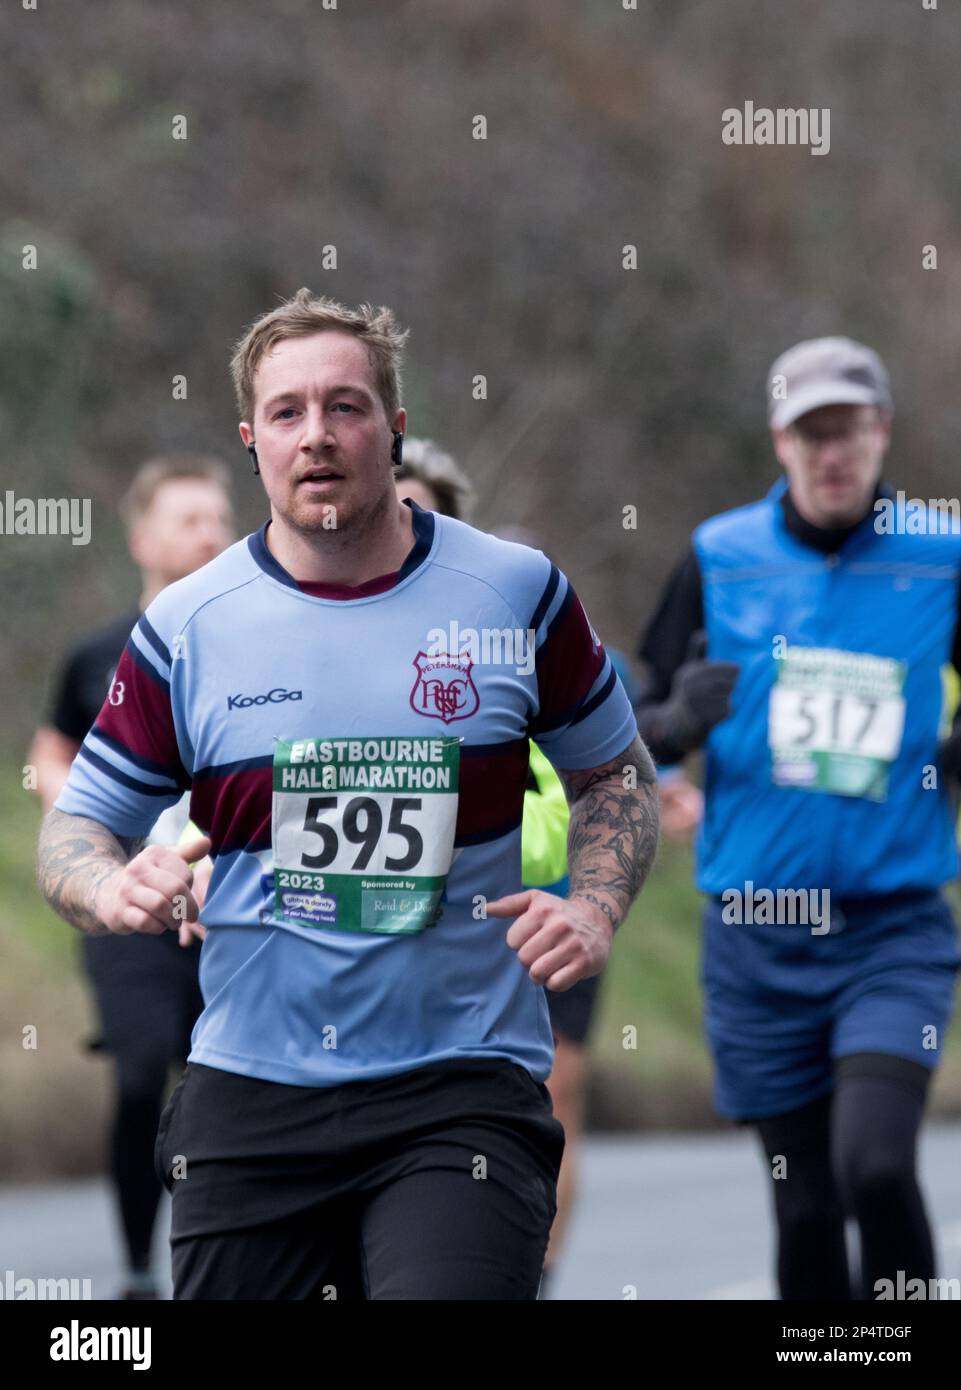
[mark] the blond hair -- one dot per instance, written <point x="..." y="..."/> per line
<point x="151" y="476"/>
<point x="425" y="463"/>
<point x="306" y="313"/>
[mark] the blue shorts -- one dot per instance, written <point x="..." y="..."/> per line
<point x="782" y="1005"/>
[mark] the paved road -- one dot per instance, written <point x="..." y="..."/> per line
<point x="669" y="1216"/>
<point x="689" y="1217"/>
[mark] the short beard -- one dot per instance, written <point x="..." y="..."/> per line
<point x="358" y="520"/>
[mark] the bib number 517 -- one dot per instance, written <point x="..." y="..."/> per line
<point x="363" y="824"/>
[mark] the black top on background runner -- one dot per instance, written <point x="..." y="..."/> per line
<point x="86" y="675"/>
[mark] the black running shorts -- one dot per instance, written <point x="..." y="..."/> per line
<point x="439" y="1183"/>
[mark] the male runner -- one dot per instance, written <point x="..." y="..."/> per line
<point x="363" y="1113"/>
<point x="178" y="517"/>
<point x="817" y="701"/>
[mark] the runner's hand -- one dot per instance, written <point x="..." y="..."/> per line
<point x="682" y="807"/>
<point x="558" y="940"/>
<point x="700" y="694"/>
<point x="152" y="893"/>
<point x="202" y="872"/>
<point x="191" y="931"/>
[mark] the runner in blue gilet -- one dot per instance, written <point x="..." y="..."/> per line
<point x="800" y="643"/>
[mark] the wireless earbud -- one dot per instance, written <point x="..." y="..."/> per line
<point x="397" y="449"/>
<point x="252" y="451"/>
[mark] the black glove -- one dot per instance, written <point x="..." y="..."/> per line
<point x="700" y="695"/>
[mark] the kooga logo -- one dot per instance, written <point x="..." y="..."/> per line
<point x="273" y="697"/>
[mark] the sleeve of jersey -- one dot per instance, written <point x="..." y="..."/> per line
<point x="129" y="770"/>
<point x="584" y="717"/>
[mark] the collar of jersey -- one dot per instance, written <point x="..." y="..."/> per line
<point x="423" y="523"/>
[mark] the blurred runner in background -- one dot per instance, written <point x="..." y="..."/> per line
<point x="800" y="642"/>
<point x="434" y="480"/>
<point x="178" y="516"/>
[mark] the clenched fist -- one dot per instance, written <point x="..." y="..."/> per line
<point x="558" y="940"/>
<point x="153" y="892"/>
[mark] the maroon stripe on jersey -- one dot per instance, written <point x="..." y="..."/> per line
<point x="233" y="808"/>
<point x="493" y="779"/>
<point x="141" y="719"/>
<point x="380" y="585"/>
<point x="568" y="664"/>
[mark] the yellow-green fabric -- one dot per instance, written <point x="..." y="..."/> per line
<point x="544" y="828"/>
<point x="951" y="692"/>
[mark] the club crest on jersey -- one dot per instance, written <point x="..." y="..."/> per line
<point x="444" y="688"/>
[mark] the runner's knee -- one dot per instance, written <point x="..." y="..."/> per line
<point x="876" y="1178"/>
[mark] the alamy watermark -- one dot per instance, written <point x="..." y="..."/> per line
<point x="13" y="1288"/>
<point x="45" y="516"/>
<point x="791" y="907"/>
<point x="917" y="516"/>
<point x="76" y="1343"/>
<point x="784" y="125"/>
<point x="489" y="646"/>
<point x="911" y="1290"/>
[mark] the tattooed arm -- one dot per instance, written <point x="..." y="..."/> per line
<point x="103" y="883"/>
<point x="75" y="857"/>
<point x="613" y="831"/>
<point x="611" y="844"/>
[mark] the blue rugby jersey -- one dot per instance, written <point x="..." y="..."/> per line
<point x="238" y="661"/>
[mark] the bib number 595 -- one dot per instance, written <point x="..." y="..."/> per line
<point x="363" y="824"/>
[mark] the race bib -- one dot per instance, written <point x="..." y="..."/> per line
<point x="363" y="831"/>
<point x="835" y="721"/>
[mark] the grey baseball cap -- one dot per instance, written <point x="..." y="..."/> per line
<point x="825" y="371"/>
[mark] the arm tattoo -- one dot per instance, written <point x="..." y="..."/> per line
<point x="613" y="830"/>
<point x="74" y="857"/>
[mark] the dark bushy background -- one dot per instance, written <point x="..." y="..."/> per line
<point x="352" y="127"/>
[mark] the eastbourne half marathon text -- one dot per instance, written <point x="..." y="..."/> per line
<point x="388" y="764"/>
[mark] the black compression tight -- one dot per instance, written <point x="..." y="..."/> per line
<point x="139" y="1101"/>
<point x="851" y="1153"/>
